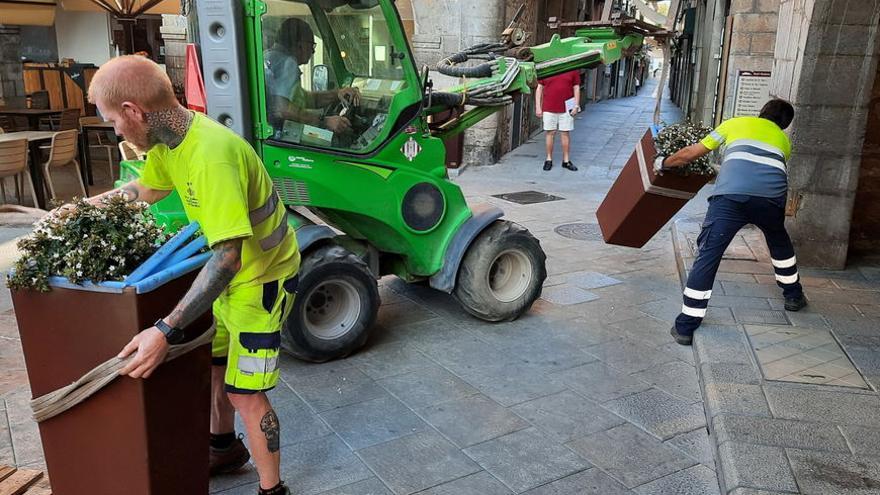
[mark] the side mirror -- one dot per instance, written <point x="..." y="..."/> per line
<point x="320" y="78"/>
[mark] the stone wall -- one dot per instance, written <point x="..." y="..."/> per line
<point x="444" y="28"/>
<point x="826" y="61"/>
<point x="11" y="78"/>
<point x="864" y="236"/>
<point x="752" y="42"/>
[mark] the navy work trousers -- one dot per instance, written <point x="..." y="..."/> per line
<point x="726" y="216"/>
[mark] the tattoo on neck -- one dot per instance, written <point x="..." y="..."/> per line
<point x="270" y="427"/>
<point x="168" y="126"/>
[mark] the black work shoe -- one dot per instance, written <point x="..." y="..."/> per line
<point x="548" y="164"/>
<point x="281" y="489"/>
<point x="229" y="459"/>
<point x="680" y="338"/>
<point x="569" y="166"/>
<point x="795" y="303"/>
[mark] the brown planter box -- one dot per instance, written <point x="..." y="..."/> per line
<point x="134" y="437"/>
<point x="640" y="202"/>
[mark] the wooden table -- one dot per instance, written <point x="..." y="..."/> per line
<point x="33" y="115"/>
<point x="84" y="145"/>
<point x="34" y="139"/>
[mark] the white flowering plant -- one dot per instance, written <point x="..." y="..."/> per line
<point x="87" y="244"/>
<point x="675" y="137"/>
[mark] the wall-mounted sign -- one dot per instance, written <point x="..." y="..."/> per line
<point x="752" y="92"/>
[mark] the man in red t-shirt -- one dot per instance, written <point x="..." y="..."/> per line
<point x="557" y="101"/>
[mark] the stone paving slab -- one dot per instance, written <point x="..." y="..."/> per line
<point x="481" y="483"/>
<point x="630" y="455"/>
<point x="588" y="482"/>
<point x="659" y="413"/>
<point x="526" y="459"/>
<point x="747" y="465"/>
<point x="416" y="462"/>
<point x="697" y="480"/>
<point x="778" y="436"/>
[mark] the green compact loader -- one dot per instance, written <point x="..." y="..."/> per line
<point x="372" y="198"/>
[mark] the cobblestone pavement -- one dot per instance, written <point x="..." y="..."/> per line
<point x="586" y="394"/>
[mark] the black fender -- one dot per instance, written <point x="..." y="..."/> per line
<point x="483" y="216"/>
<point x="309" y="234"/>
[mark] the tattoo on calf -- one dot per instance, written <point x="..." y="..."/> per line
<point x="270" y="427"/>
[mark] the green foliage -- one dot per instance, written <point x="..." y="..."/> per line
<point x="87" y="244"/>
<point x="678" y="136"/>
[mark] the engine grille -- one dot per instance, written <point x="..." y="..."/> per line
<point x="292" y="191"/>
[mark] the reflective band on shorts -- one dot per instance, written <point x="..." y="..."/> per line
<point x="260" y="214"/>
<point x="276" y="237"/>
<point x="697" y="294"/>
<point x="695" y="312"/>
<point x="784" y="263"/>
<point x="250" y="364"/>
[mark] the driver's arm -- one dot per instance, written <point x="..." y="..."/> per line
<point x="320" y="99"/>
<point x="283" y="109"/>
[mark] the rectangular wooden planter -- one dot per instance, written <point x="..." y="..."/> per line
<point x="641" y="202"/>
<point x="134" y="437"/>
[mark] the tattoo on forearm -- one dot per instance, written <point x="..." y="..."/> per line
<point x="131" y="193"/>
<point x="209" y="284"/>
<point x="270" y="427"/>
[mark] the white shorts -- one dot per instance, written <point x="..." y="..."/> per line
<point x="558" y="121"/>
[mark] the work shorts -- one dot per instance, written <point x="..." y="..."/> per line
<point x="558" y="121"/>
<point x="248" y="338"/>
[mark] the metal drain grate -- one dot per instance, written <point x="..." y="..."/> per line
<point x="580" y="231"/>
<point x="527" y="197"/>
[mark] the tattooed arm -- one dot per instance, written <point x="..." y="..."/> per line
<point x="151" y="345"/>
<point x="133" y="191"/>
<point x="212" y="280"/>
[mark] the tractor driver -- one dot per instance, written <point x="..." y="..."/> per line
<point x="287" y="100"/>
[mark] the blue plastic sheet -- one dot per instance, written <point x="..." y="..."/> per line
<point x="177" y="257"/>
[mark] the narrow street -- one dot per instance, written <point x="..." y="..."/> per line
<point x="586" y="394"/>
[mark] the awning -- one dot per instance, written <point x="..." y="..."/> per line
<point x="27" y="12"/>
<point x="163" y="7"/>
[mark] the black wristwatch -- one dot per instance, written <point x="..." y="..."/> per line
<point x="173" y="335"/>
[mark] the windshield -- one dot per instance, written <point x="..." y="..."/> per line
<point x="365" y="42"/>
<point x="331" y="71"/>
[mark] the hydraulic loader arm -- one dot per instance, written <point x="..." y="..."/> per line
<point x="490" y="85"/>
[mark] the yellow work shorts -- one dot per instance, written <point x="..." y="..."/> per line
<point x="248" y="338"/>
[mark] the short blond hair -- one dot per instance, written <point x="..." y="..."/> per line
<point x="132" y="78"/>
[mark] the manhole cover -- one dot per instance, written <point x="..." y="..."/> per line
<point x="527" y="197"/>
<point x="580" y="231"/>
<point x="802" y="355"/>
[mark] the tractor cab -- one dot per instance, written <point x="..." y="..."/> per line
<point x="335" y="74"/>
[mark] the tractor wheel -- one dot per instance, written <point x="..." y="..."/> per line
<point x="502" y="273"/>
<point x="336" y="304"/>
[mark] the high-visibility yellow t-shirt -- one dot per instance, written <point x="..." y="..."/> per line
<point x="223" y="185"/>
<point x="755" y="155"/>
